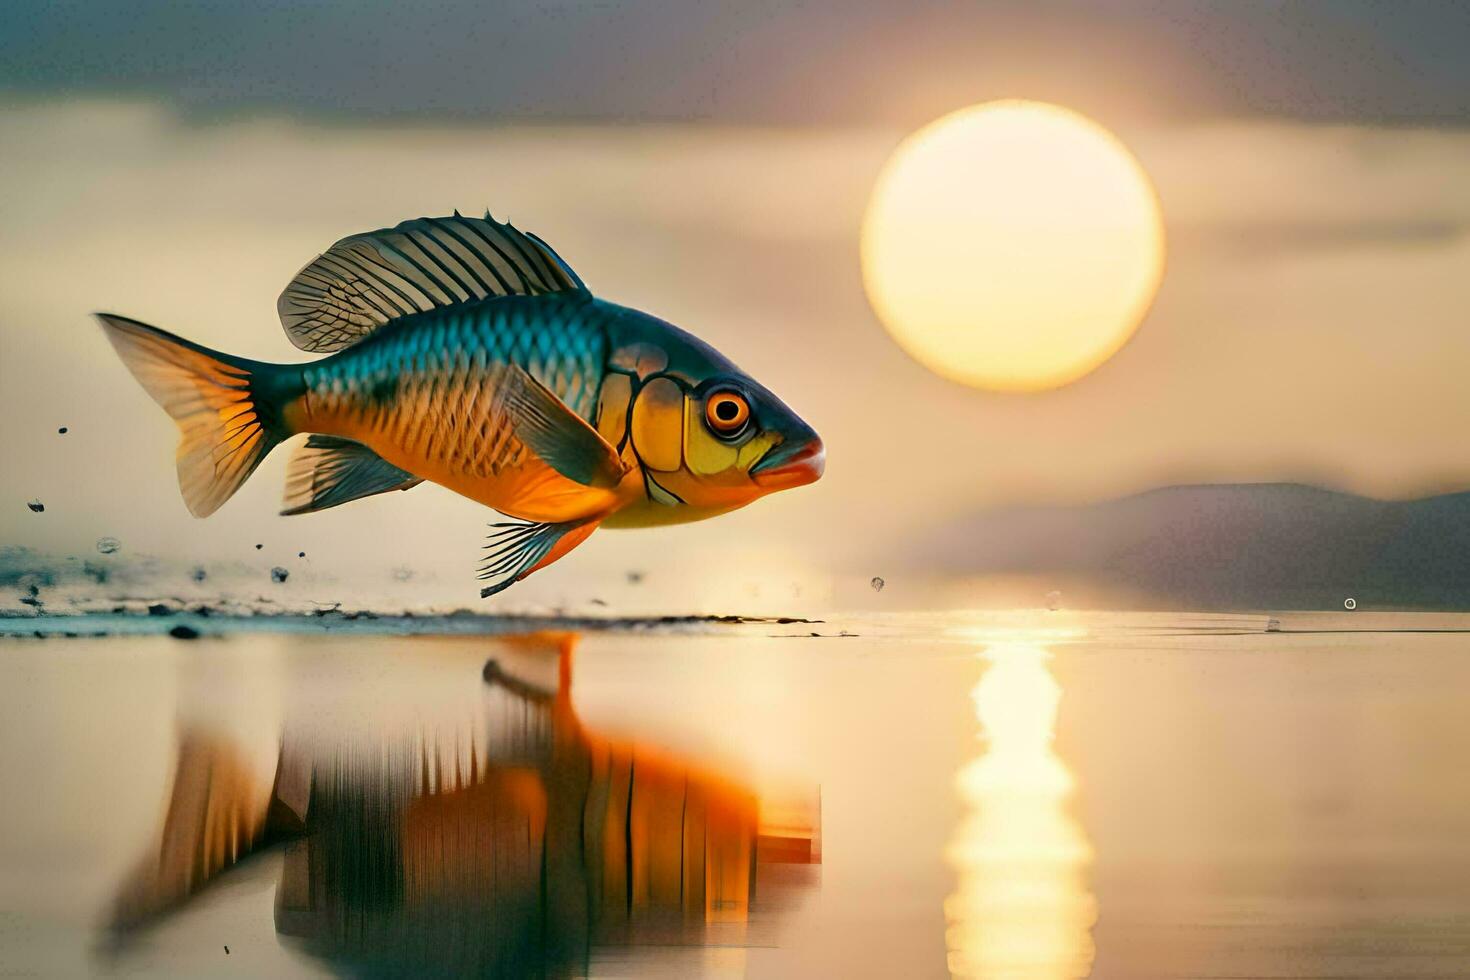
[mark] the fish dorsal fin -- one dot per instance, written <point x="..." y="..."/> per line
<point x="368" y="280"/>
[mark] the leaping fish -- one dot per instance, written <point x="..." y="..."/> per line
<point x="468" y="353"/>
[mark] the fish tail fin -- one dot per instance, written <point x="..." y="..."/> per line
<point x="227" y="424"/>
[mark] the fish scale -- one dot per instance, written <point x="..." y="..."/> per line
<point x="551" y="337"/>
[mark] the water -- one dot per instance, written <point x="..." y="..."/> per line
<point x="1041" y="795"/>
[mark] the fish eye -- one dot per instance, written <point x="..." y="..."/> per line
<point x="726" y="412"/>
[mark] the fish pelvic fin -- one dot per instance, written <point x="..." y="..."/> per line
<point x="330" y="470"/>
<point x="515" y="549"/>
<point x="227" y="423"/>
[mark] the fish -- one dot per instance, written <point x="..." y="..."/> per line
<point x="466" y="352"/>
<point x="527" y="846"/>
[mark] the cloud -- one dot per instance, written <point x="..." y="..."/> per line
<point x="856" y="62"/>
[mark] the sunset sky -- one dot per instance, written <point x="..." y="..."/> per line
<point x="1310" y="161"/>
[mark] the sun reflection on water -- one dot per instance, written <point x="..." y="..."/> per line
<point x="1021" y="909"/>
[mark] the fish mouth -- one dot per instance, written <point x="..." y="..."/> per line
<point x="790" y="465"/>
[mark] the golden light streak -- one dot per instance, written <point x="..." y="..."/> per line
<point x="1021" y="909"/>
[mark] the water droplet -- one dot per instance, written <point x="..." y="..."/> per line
<point x="108" y="545"/>
<point x="877" y="584"/>
<point x="36" y="506"/>
<point x="279" y="574"/>
<point x="1053" y="600"/>
<point x="1350" y="603"/>
<point x="635" y="577"/>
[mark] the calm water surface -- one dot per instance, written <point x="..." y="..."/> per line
<point x="1035" y="796"/>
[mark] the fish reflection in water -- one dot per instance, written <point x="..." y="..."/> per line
<point x="1021" y="909"/>
<point x="517" y="859"/>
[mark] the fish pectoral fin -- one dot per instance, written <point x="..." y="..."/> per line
<point x="559" y="436"/>
<point x="330" y="470"/>
<point x="518" y="548"/>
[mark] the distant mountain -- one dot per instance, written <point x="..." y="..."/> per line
<point x="1231" y="546"/>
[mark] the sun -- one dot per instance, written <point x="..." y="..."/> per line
<point x="1012" y="246"/>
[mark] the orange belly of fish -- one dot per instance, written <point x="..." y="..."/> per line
<point x="528" y="489"/>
